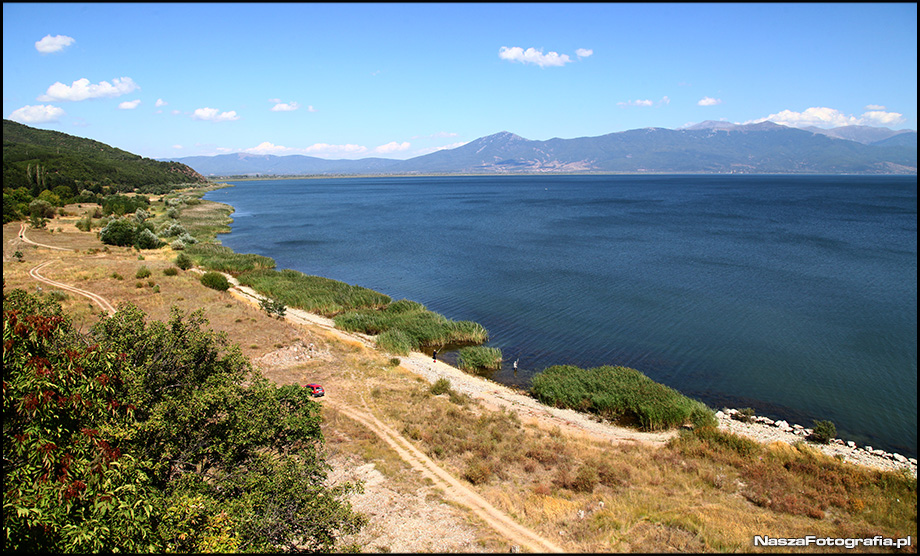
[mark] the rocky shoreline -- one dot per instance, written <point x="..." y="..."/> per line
<point x="767" y="430"/>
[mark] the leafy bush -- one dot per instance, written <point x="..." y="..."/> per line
<point x="146" y="239"/>
<point x="215" y="281"/>
<point x="744" y="415"/>
<point x="440" y="386"/>
<point x="142" y="272"/>
<point x="823" y="432"/>
<point x="171" y="271"/>
<point x="118" y="231"/>
<point x="273" y="307"/>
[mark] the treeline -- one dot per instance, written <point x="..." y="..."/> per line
<point x="153" y="437"/>
<point x="59" y="169"/>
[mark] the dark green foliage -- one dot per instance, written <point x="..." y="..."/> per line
<point x="621" y="394"/>
<point x="143" y="438"/>
<point x="142" y="272"/>
<point x="823" y="432"/>
<point x="744" y="415"/>
<point x="171" y="271"/>
<point x="440" y="386"/>
<point x="215" y="281"/>
<point x="119" y="231"/>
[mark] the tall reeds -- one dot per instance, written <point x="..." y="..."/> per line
<point x="621" y="394"/>
<point x="220" y="258"/>
<point x="312" y="293"/>
<point x="406" y="325"/>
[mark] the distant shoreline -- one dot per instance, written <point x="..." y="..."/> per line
<point x="525" y="174"/>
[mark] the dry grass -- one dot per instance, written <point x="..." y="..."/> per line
<point x="697" y="494"/>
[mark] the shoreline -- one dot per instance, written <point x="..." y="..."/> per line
<point x="761" y="428"/>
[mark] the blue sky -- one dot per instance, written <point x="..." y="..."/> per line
<point x="402" y="80"/>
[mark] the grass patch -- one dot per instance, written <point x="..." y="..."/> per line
<point x="620" y="394"/>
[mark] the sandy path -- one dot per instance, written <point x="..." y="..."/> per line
<point x="98" y="299"/>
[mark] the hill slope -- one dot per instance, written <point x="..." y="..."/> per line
<point x="51" y="159"/>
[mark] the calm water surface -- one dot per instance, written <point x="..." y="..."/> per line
<point x="793" y="295"/>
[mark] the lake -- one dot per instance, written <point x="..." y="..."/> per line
<point x="793" y="295"/>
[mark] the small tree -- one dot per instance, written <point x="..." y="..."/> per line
<point x="118" y="231"/>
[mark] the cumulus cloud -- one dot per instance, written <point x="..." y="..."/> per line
<point x="874" y="107"/>
<point x="533" y="56"/>
<point x="584" y="52"/>
<point x="41" y="113"/>
<point x="709" y="101"/>
<point x="392" y="147"/>
<point x="266" y="147"/>
<point x="82" y="89"/>
<point x="285" y="107"/>
<point x="129" y="104"/>
<point x="325" y="149"/>
<point x="160" y="102"/>
<point x="824" y="117"/>
<point x="635" y="103"/>
<point x="214" y="115"/>
<point x="51" y="44"/>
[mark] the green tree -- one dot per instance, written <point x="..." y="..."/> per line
<point x="119" y="231"/>
<point x="155" y="437"/>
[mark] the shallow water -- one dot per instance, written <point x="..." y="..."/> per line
<point x="793" y="295"/>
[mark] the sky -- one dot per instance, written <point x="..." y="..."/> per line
<point x="347" y="81"/>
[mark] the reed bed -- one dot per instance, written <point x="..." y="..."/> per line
<point x="312" y="293"/>
<point x="480" y="357"/>
<point x="405" y="325"/>
<point x="620" y="394"/>
<point x="214" y="256"/>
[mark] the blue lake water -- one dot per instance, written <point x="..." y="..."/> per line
<point x="792" y="295"/>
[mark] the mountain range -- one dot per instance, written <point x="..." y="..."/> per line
<point x="709" y="147"/>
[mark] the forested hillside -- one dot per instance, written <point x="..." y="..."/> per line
<point x="60" y="168"/>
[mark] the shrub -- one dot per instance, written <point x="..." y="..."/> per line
<point x="823" y="432"/>
<point x="171" y="271"/>
<point x="183" y="261"/>
<point x="173" y="230"/>
<point x="273" y="307"/>
<point x="147" y="240"/>
<point x="441" y="386"/>
<point x="142" y="272"/>
<point x="118" y="231"/>
<point x="215" y="281"/>
<point x="744" y="415"/>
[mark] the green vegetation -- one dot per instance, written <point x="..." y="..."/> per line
<point x="214" y="256"/>
<point x="183" y="261"/>
<point x="155" y="437"/>
<point x="215" y="281"/>
<point x="480" y="357"/>
<point x="409" y="323"/>
<point x="619" y="394"/>
<point x="823" y="432"/>
<point x="311" y="293"/>
<point x="127" y="232"/>
<point x="273" y="307"/>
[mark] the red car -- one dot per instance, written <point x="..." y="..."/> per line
<point x="316" y="390"/>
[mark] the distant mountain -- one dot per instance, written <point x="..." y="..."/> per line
<point x="80" y="163"/>
<point x="710" y="147"/>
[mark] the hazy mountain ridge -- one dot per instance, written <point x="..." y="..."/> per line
<point x="708" y="147"/>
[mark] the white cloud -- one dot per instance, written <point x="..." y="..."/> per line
<point x="81" y="89"/>
<point x="430" y="150"/>
<point x="214" y="115"/>
<point x="129" y="104"/>
<point x="824" y="117"/>
<point x="709" y="101"/>
<point x="635" y="103"/>
<point x="41" y="113"/>
<point x="285" y="107"/>
<point x="311" y="109"/>
<point x="268" y="148"/>
<point x="664" y="100"/>
<point x="584" y="52"/>
<point x="533" y="56"/>
<point x="178" y="147"/>
<point x="392" y="147"/>
<point x="51" y="44"/>
<point x="325" y="149"/>
<point x="160" y="102"/>
<point x="874" y="107"/>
